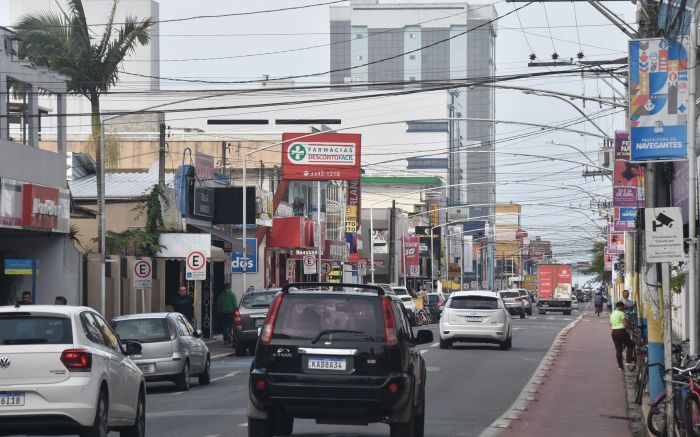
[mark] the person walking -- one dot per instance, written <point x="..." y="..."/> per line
<point x="60" y="300"/>
<point x="26" y="298"/>
<point x="225" y="307"/>
<point x="598" y="301"/>
<point x="618" y="324"/>
<point x="184" y="304"/>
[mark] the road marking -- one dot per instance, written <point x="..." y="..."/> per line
<point x="228" y="375"/>
<point x="424" y="351"/>
<point x="435" y="344"/>
<point x="244" y="424"/>
<point x="432" y="369"/>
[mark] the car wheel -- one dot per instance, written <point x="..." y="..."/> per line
<point x="522" y="314"/>
<point x="138" y="429"/>
<point x="529" y="312"/>
<point x="183" y="379"/>
<point x="205" y="377"/>
<point x="259" y="428"/>
<point x="241" y="350"/>
<point x="403" y="429"/>
<point x="567" y="313"/>
<point x="444" y="344"/>
<point x="100" y="427"/>
<point x="506" y="344"/>
<point x="420" y="417"/>
<point x="282" y="424"/>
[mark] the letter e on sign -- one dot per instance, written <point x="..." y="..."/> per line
<point x="142" y="274"/>
<point x="196" y="266"/>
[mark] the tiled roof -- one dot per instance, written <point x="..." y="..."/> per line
<point x="119" y="185"/>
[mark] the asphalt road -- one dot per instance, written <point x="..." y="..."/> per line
<point x="469" y="386"/>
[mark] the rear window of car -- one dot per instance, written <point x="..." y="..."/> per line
<point x="28" y="329"/>
<point x="510" y="294"/>
<point x="330" y="316"/>
<point x="400" y="291"/>
<point x="261" y="299"/>
<point x="151" y="330"/>
<point x="473" y="303"/>
<point x="405" y="298"/>
<point x="433" y="299"/>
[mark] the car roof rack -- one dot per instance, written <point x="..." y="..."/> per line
<point x="301" y="285"/>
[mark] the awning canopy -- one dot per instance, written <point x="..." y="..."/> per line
<point x="234" y="240"/>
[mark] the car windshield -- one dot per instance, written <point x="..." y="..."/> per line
<point x="151" y="330"/>
<point x="510" y="294"/>
<point x="433" y="299"/>
<point x="400" y="291"/>
<point x="332" y="316"/>
<point x="406" y="298"/>
<point x="28" y="329"/>
<point x="261" y="299"/>
<point x="474" y="303"/>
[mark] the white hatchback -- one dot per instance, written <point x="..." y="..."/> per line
<point x="477" y="317"/>
<point x="63" y="369"/>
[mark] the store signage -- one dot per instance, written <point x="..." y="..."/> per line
<point x="352" y="212"/>
<point x="142" y="278"/>
<point x="616" y="242"/>
<point x="319" y="157"/>
<point x="19" y="266"/>
<point x="175" y="245"/>
<point x="457" y="213"/>
<point x="204" y="168"/>
<point x="40" y="207"/>
<point x="663" y="235"/>
<point x="411" y="255"/>
<point x="251" y="262"/>
<point x="624" y="219"/>
<point x="658" y="98"/>
<point x="351" y="218"/>
<point x="204" y="202"/>
<point x="434" y="208"/>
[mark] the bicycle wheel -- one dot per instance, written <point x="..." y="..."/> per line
<point x="656" y="419"/>
<point x="689" y="412"/>
<point x="641" y="384"/>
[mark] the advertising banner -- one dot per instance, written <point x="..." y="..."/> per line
<point x="423" y="234"/>
<point x="251" y="255"/>
<point x="545" y="281"/>
<point x="468" y="255"/>
<point x="411" y="256"/>
<point x="321" y="157"/>
<point x="624" y="219"/>
<point x="354" y="198"/>
<point x="204" y="168"/>
<point x="658" y="87"/>
<point x="628" y="178"/>
<point x="616" y="243"/>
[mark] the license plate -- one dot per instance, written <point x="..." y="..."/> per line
<point x="321" y="363"/>
<point x="259" y="322"/>
<point x="473" y="319"/>
<point x="11" y="398"/>
<point x="147" y="368"/>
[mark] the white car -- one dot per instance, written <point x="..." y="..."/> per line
<point x="574" y="302"/>
<point x="62" y="368"/>
<point x="478" y="317"/>
<point x="407" y="301"/>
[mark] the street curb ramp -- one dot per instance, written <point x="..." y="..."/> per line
<point x="529" y="392"/>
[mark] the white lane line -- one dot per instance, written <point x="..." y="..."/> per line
<point x="435" y="345"/>
<point x="424" y="351"/>
<point x="244" y="424"/>
<point x="432" y="369"/>
<point x="213" y="435"/>
<point x="228" y="375"/>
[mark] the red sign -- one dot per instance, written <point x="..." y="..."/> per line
<point x="40" y="207"/>
<point x="204" y="168"/>
<point x="550" y="276"/>
<point x="411" y="254"/>
<point x="320" y="157"/>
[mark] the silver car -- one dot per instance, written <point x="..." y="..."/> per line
<point x="171" y="349"/>
<point x="249" y="317"/>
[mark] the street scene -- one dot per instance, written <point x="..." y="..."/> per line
<point x="398" y="218"/>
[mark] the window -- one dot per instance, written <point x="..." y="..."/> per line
<point x="359" y="36"/>
<point x="474" y="303"/>
<point x="91" y="329"/>
<point x="358" y="57"/>
<point x="110" y="338"/>
<point x="151" y="330"/>
<point x="412" y="78"/>
<point x="412" y="35"/>
<point x="412" y="57"/>
<point x="258" y="300"/>
<point x="22" y="328"/>
<point x="184" y="327"/>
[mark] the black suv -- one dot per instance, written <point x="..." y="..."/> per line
<point x="340" y="354"/>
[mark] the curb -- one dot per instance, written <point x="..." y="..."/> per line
<point x="529" y="392"/>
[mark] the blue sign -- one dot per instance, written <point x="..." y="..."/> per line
<point x="19" y="266"/>
<point x="658" y="87"/>
<point x="252" y="255"/>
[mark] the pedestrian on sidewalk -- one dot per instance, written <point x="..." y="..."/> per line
<point x="598" y="301"/>
<point x="184" y="304"/>
<point x="26" y="298"/>
<point x="618" y="323"/>
<point x="225" y="307"/>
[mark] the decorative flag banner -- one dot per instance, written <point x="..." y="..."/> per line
<point x="628" y="178"/>
<point x="616" y="243"/>
<point x="658" y="87"/>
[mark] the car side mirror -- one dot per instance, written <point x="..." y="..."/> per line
<point x="133" y="348"/>
<point x="424" y="336"/>
<point x="197" y="333"/>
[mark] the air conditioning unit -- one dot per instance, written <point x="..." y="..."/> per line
<point x="605" y="157"/>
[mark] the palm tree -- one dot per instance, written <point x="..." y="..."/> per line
<point x="64" y="43"/>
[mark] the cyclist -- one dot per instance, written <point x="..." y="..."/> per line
<point x="598" y="300"/>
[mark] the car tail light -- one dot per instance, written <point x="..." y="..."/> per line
<point x="269" y="325"/>
<point x="77" y="360"/>
<point x="390" y="334"/>
<point x="260" y="385"/>
<point x="237" y="319"/>
<point x="393" y="387"/>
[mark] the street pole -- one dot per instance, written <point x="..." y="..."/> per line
<point x="245" y="224"/>
<point x="691" y="290"/>
<point x="318" y="224"/>
<point x="432" y="261"/>
<point x="161" y="156"/>
<point x="371" y="243"/>
<point x="103" y="285"/>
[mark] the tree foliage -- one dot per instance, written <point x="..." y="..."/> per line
<point x="597" y="267"/>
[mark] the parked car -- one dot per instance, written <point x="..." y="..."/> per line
<point x="63" y="369"/>
<point x="514" y="303"/>
<point x="339" y="356"/>
<point x="436" y="301"/>
<point x="407" y="301"/>
<point x="525" y="296"/>
<point x="574" y="303"/>
<point x="172" y="350"/>
<point x="249" y="317"/>
<point x="476" y="316"/>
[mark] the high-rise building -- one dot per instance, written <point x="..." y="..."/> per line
<point x="398" y="44"/>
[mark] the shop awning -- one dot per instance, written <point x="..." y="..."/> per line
<point x="234" y="240"/>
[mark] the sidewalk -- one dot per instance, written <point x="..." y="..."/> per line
<point x="579" y="391"/>
<point x="218" y="349"/>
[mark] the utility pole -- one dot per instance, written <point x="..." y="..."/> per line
<point x="161" y="157"/>
<point x="392" y="238"/>
<point x="223" y="157"/>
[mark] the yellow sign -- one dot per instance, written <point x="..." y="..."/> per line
<point x="434" y="214"/>
<point x="351" y="218"/>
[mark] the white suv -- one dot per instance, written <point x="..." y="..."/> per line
<point x="475" y="316"/>
<point x="62" y="368"/>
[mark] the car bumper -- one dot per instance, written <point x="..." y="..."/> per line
<point x="160" y="368"/>
<point x="64" y="405"/>
<point x="515" y="309"/>
<point x="488" y="333"/>
<point x="245" y="336"/>
<point x="331" y="397"/>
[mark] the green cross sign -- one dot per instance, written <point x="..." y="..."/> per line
<point x="297" y="152"/>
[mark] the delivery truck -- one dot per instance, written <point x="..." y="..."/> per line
<point x="554" y="288"/>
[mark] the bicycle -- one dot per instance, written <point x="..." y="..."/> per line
<point x="678" y="358"/>
<point x="423" y="317"/>
<point x="686" y="393"/>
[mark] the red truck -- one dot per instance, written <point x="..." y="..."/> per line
<point x="554" y="288"/>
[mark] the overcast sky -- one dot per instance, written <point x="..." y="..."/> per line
<point x="566" y="27"/>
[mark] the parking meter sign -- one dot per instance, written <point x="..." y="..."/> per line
<point x="142" y="278"/>
<point x="196" y="269"/>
